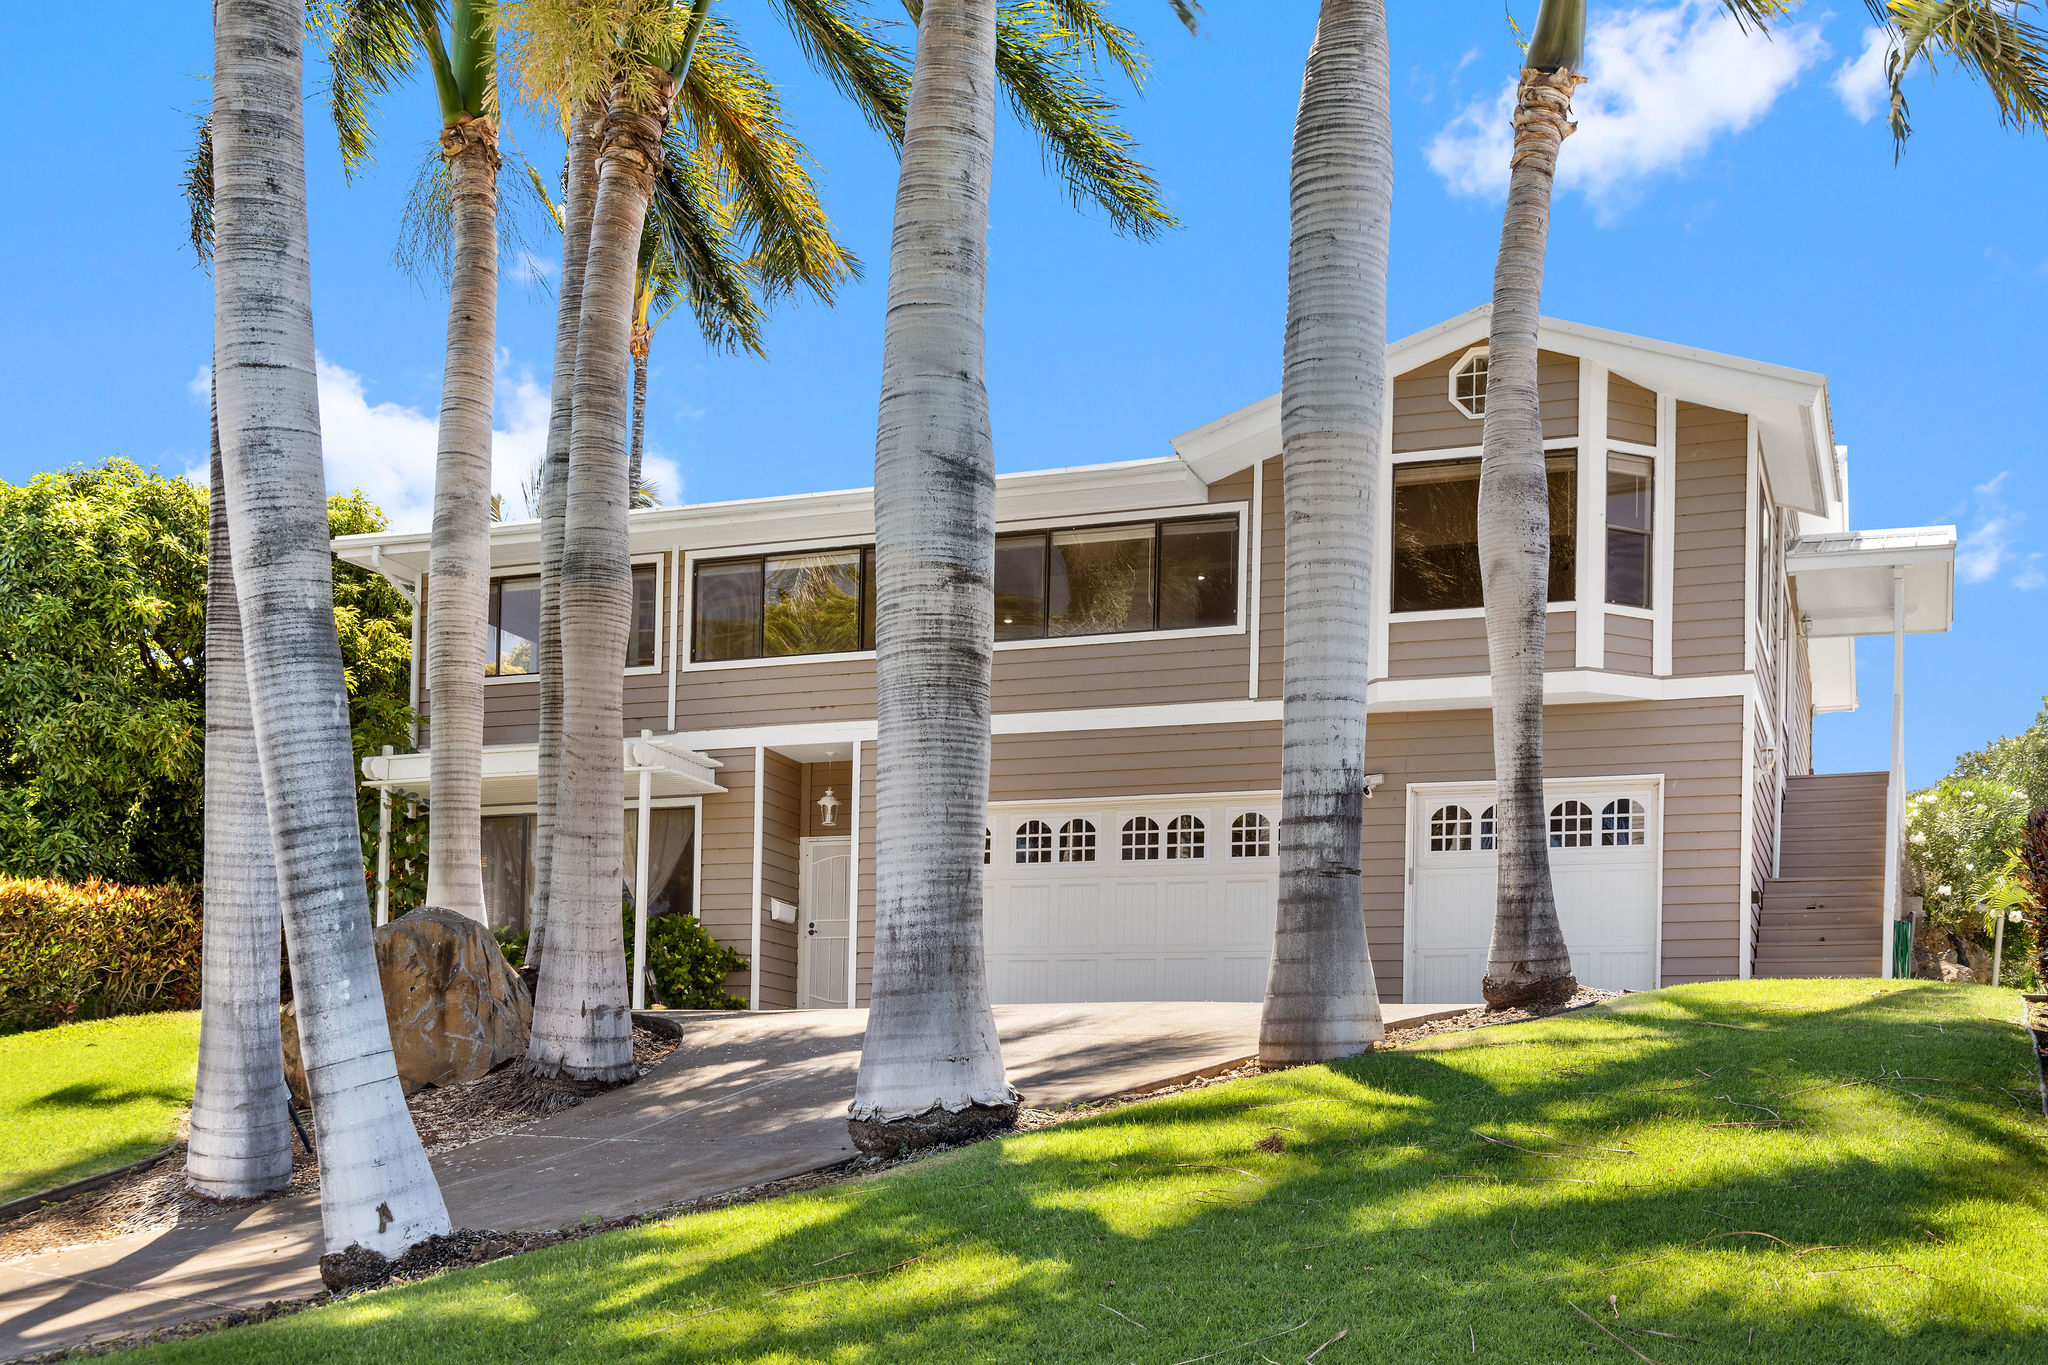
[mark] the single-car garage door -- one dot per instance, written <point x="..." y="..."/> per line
<point x="1605" y="837"/>
<point x="1130" y="900"/>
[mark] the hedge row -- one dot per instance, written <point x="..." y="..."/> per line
<point x="92" y="949"/>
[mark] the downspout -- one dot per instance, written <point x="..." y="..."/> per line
<point x="1895" y="788"/>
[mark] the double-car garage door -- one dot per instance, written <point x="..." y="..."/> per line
<point x="1130" y="900"/>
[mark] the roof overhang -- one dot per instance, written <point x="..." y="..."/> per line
<point x="1846" y="580"/>
<point x="510" y="771"/>
<point x="1789" y="407"/>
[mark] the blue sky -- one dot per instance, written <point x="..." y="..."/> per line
<point x="1722" y="192"/>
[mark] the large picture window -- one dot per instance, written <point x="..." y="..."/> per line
<point x="1436" y="533"/>
<point x="512" y="642"/>
<point x="1111" y="580"/>
<point x="780" y="606"/>
<point x="1629" y="513"/>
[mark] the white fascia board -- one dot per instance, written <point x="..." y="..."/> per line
<point x="1831" y="669"/>
<point x="1232" y="442"/>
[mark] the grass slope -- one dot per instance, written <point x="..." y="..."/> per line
<point x="1879" y="1196"/>
<point x="84" y="1098"/>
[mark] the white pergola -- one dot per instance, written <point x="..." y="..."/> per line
<point x="1897" y="582"/>
<point x="663" y="768"/>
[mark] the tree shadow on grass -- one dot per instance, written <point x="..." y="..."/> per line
<point x="1439" y="1203"/>
<point x="108" y="1095"/>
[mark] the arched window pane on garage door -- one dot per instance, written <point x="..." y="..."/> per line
<point x="988" y="843"/>
<point x="1251" y="836"/>
<point x="1186" y="837"/>
<point x="1034" y="842"/>
<point x="1450" y="830"/>
<point x="1077" y="842"/>
<point x="1141" y="839"/>
<point x="1486" y="836"/>
<point x="1624" y="824"/>
<point x="1571" y="825"/>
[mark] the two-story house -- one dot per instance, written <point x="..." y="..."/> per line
<point x="1706" y="591"/>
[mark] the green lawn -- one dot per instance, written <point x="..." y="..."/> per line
<point x="1891" y="1206"/>
<point x="83" y="1098"/>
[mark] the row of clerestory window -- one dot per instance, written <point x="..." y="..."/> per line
<point x="1142" y="839"/>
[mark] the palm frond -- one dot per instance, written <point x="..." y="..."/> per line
<point x="706" y="263"/>
<point x="730" y="128"/>
<point x="1189" y="12"/>
<point x="1757" y="14"/>
<point x="426" y="231"/>
<point x="1037" y="60"/>
<point x="1988" y="39"/>
<point x="851" y="51"/>
<point x="564" y="52"/>
<point x="371" y="48"/>
<point x="1089" y="21"/>
<point x="199" y="190"/>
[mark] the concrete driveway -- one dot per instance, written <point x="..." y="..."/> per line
<point x="746" y="1098"/>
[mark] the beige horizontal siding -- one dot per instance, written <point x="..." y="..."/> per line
<point x="1631" y="411"/>
<point x="1425" y="420"/>
<point x="1708" y="546"/>
<point x="727" y="867"/>
<point x="1630" y="645"/>
<point x="789" y="693"/>
<point x="1457" y="647"/>
<point x="1122" y="671"/>
<point x="1273" y="585"/>
<point x="781" y="826"/>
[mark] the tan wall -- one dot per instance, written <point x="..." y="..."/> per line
<point x="1799" y="724"/>
<point x="1631" y="644"/>
<point x="1764" y="810"/>
<point x="818" y="779"/>
<point x="1273" y="584"/>
<point x="1425" y="420"/>
<point x="1457" y="647"/>
<point x="1631" y="411"/>
<point x="1708" y="550"/>
<point x="725" y="897"/>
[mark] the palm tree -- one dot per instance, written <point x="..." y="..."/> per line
<point x="1989" y="39"/>
<point x="1528" y="963"/>
<point x="931" y="1068"/>
<point x="372" y="45"/>
<point x="376" y="1188"/>
<point x="240" y="1144"/>
<point x="656" y="286"/>
<point x="1320" y="998"/>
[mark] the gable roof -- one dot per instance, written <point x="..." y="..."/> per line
<point x="1790" y="407"/>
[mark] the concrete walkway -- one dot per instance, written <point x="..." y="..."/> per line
<point x="746" y="1098"/>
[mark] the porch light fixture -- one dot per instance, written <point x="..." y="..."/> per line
<point x="827" y="804"/>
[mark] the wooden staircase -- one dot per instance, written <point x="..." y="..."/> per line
<point x="1824" y="916"/>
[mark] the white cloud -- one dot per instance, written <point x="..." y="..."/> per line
<point x="1987" y="547"/>
<point x="1663" y="84"/>
<point x="2033" y="574"/>
<point x="1860" y="81"/>
<point x="529" y="268"/>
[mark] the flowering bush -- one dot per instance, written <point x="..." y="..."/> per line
<point x="92" y="949"/>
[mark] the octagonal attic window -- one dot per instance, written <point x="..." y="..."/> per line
<point x="1468" y="383"/>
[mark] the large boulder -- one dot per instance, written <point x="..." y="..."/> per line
<point x="456" y="1008"/>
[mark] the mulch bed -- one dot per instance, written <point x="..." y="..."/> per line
<point x="471" y="1246"/>
<point x="447" y="1117"/>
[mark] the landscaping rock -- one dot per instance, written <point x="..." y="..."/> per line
<point x="457" y="1008"/>
<point x="294" y="1064"/>
<point x="356" y="1268"/>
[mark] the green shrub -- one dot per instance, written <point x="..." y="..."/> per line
<point x="94" y="949"/>
<point x="689" y="966"/>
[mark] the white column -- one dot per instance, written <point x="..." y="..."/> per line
<point x="642" y="831"/>
<point x="853" y="888"/>
<point x="1895" y="789"/>
<point x="384" y="851"/>
<point x="1591" y="547"/>
<point x="1256" y="549"/>
<point x="754" y="896"/>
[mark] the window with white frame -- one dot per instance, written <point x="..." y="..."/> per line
<point x="1185" y="836"/>
<point x="512" y="627"/>
<point x="1571" y="825"/>
<point x="1468" y="383"/>
<point x="1624" y="824"/>
<point x="1450" y="830"/>
<point x="1140" y="839"/>
<point x="1629" y="516"/>
<point x="1034" y="842"/>
<point x="1077" y="842"/>
<point x="1436" y="533"/>
<point x="1251" y="836"/>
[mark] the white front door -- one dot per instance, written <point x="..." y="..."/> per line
<point x="1605" y="867"/>
<point x="1145" y="899"/>
<point x="822" y="900"/>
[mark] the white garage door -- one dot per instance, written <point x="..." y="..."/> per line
<point x="1605" y="837"/>
<point x="1132" y="900"/>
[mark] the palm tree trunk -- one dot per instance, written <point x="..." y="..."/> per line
<point x="639" y="349"/>
<point x="581" y="194"/>
<point x="459" y="554"/>
<point x="1320" y="998"/>
<point x="1528" y="962"/>
<point x="376" y="1188"/>
<point x="582" y="1025"/>
<point x="931" y="1068"/>
<point x="240" y="1143"/>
